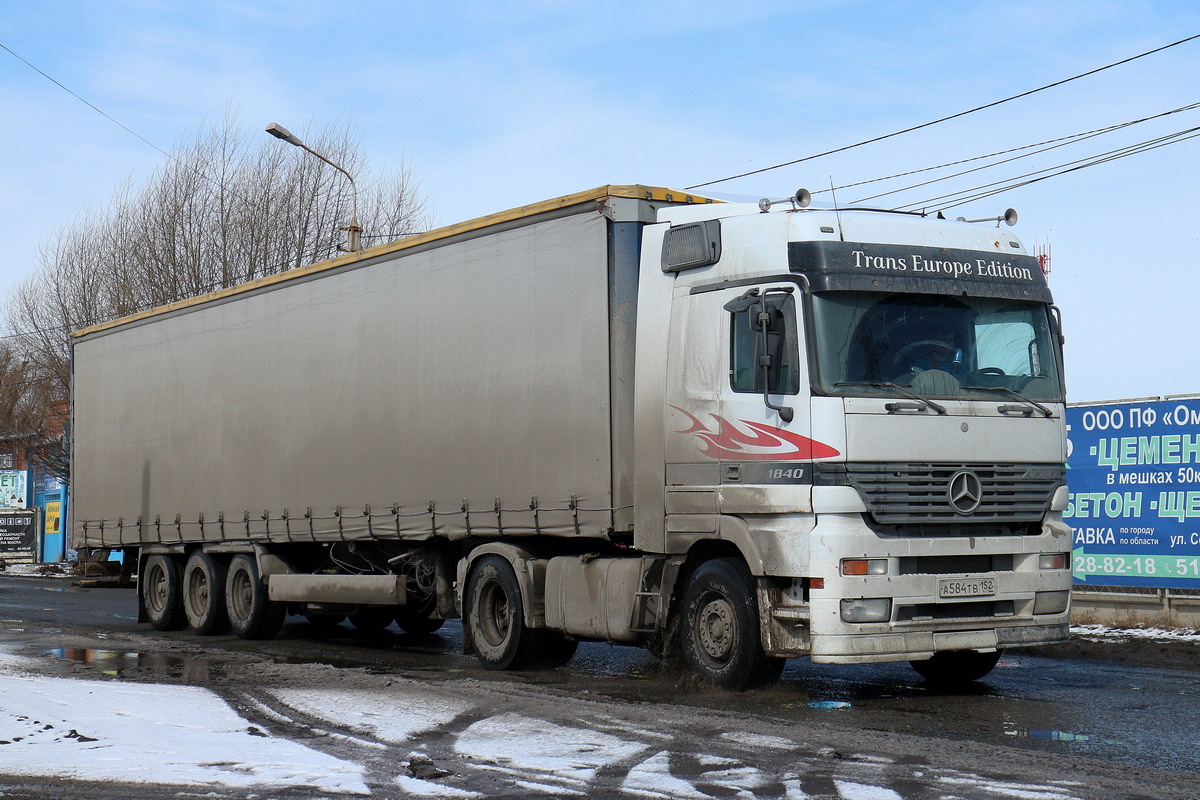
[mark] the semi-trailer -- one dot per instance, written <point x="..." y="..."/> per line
<point x="630" y="414"/>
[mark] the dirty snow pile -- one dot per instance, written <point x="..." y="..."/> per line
<point x="396" y="741"/>
<point x="1100" y="633"/>
<point x="64" y="570"/>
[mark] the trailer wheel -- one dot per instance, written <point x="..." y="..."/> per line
<point x="251" y="614"/>
<point x="956" y="667"/>
<point x="204" y="594"/>
<point x="720" y="627"/>
<point x="497" y="616"/>
<point x="161" y="593"/>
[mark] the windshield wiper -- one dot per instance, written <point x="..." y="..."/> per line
<point x="1013" y="393"/>
<point x="940" y="409"/>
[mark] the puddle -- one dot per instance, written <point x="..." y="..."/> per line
<point x="116" y="663"/>
<point x="827" y="705"/>
<point x="1056" y="736"/>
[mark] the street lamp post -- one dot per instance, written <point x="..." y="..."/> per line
<point x="354" y="243"/>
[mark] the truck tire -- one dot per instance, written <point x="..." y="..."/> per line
<point x="324" y="623"/>
<point x="204" y="594"/>
<point x="162" y="594"/>
<point x="553" y="650"/>
<point x="956" y="667"/>
<point x="415" y="617"/>
<point x="372" y="619"/>
<point x="497" y="616"/>
<point x="720" y="630"/>
<point x="251" y="614"/>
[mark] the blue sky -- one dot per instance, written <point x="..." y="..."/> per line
<point x="497" y="104"/>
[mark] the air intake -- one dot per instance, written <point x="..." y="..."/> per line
<point x="696" y="244"/>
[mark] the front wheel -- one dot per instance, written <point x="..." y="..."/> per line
<point x="956" y="667"/>
<point x="720" y="627"/>
<point x="251" y="614"/>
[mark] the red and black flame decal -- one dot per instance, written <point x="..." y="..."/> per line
<point x="768" y="443"/>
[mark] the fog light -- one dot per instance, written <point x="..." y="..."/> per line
<point x="1053" y="561"/>
<point x="878" y="609"/>
<point x="1043" y="602"/>
<point x="864" y="566"/>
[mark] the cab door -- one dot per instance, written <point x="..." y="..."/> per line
<point x="763" y="430"/>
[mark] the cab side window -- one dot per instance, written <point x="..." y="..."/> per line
<point x="750" y="340"/>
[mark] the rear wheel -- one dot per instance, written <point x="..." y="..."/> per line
<point x="956" y="667"/>
<point x="251" y="614"/>
<point x="162" y="594"/>
<point x="720" y="627"/>
<point x="204" y="594"/>
<point x="497" y="616"/>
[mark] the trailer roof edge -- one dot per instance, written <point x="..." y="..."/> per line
<point x="597" y="195"/>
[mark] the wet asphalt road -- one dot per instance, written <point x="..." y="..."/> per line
<point x="1145" y="717"/>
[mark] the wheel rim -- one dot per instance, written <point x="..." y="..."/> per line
<point x="156" y="597"/>
<point x="198" y="592"/>
<point x="716" y="628"/>
<point x="242" y="596"/>
<point x="495" y="617"/>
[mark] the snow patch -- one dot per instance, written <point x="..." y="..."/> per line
<point x="760" y="740"/>
<point x="849" y="790"/>
<point x="544" y="748"/>
<point x="423" y="788"/>
<point x="1105" y="633"/>
<point x="107" y="731"/>
<point x="653" y="778"/>
<point x="390" y="717"/>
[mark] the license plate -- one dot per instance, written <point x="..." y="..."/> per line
<point x="967" y="587"/>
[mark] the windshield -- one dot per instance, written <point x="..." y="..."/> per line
<point x="934" y="346"/>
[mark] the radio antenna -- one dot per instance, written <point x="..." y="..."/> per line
<point x="837" y="211"/>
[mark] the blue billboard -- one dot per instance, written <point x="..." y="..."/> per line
<point x="1134" y="479"/>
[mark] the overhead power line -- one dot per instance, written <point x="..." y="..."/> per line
<point x="1052" y="144"/>
<point x="963" y="196"/>
<point x="88" y="103"/>
<point x="946" y="118"/>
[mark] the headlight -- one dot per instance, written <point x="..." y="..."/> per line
<point x="1045" y="603"/>
<point x="877" y="609"/>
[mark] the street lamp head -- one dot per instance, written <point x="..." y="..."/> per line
<point x="280" y="132"/>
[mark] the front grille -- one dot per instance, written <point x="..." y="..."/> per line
<point x="914" y="530"/>
<point x="955" y="565"/>
<point x="918" y="494"/>
<point x="995" y="608"/>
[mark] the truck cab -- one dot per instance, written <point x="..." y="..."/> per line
<point x="867" y="408"/>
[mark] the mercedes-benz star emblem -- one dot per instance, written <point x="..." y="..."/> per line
<point x="965" y="492"/>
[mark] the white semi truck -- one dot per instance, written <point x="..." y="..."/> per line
<point x="630" y="415"/>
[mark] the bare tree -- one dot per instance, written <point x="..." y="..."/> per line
<point x="227" y="208"/>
